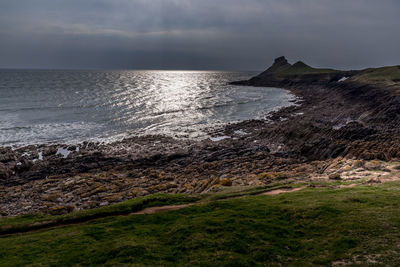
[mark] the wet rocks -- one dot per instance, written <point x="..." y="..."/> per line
<point x="6" y="155"/>
<point x="5" y="172"/>
<point x="23" y="165"/>
<point x="354" y="131"/>
<point x="7" y="162"/>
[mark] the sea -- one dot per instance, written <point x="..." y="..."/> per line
<point x="72" y="106"/>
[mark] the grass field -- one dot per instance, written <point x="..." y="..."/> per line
<point x="388" y="77"/>
<point x="315" y="226"/>
<point x="380" y="74"/>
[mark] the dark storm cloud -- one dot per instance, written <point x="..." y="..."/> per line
<point x="197" y="34"/>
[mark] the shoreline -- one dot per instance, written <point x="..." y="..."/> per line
<point x="334" y="132"/>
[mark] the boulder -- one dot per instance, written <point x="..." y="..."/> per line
<point x="23" y="165"/>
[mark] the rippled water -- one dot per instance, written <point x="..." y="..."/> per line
<point x="73" y="106"/>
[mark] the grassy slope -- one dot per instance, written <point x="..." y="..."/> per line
<point x="386" y="76"/>
<point x="379" y="74"/>
<point x="300" y="68"/>
<point x="314" y="226"/>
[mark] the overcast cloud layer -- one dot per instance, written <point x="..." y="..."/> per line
<point x="198" y="34"/>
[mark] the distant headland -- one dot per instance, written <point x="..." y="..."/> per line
<point x="282" y="73"/>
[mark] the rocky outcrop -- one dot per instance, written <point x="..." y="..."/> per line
<point x="7" y="162"/>
<point x="280" y="64"/>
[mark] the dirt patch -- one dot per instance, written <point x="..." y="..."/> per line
<point x="348" y="185"/>
<point x="153" y="210"/>
<point x="283" y="190"/>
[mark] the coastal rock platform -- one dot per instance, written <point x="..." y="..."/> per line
<point x="337" y="130"/>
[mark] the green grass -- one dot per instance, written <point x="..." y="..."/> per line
<point x="300" y="68"/>
<point x="380" y="74"/>
<point x="240" y="191"/>
<point x="386" y="76"/>
<point x="309" y="227"/>
<point x="35" y="221"/>
<point x="30" y="222"/>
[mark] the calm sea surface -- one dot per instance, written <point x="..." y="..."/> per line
<point x="38" y="106"/>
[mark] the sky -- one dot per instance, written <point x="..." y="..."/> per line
<point x="198" y="34"/>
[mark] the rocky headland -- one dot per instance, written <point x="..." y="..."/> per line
<point x="344" y="126"/>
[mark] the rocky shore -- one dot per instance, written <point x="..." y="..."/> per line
<point x="336" y="130"/>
